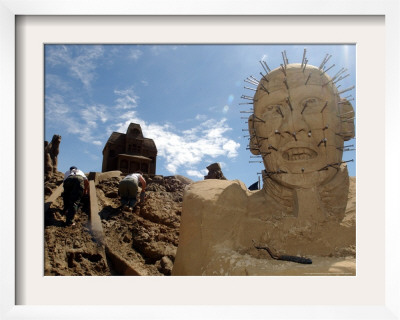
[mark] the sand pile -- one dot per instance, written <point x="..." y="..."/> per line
<point x="142" y="242"/>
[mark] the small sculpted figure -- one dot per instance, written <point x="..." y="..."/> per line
<point x="298" y="127"/>
<point x="51" y="151"/>
<point x="214" y="172"/>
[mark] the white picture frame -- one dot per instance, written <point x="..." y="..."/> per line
<point x="385" y="308"/>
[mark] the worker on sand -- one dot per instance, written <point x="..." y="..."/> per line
<point x="76" y="185"/>
<point x="128" y="189"/>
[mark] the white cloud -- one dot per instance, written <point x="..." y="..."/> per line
<point x="181" y="149"/>
<point x="231" y="147"/>
<point x="95" y="113"/>
<point x="186" y="149"/>
<point x="56" y="108"/>
<point x="225" y="109"/>
<point x="82" y="123"/>
<point x="127" y="99"/>
<point x="58" y="115"/>
<point x="128" y="115"/>
<point x="80" y="61"/>
<point x="195" y="173"/>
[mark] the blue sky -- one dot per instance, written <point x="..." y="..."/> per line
<point x="185" y="97"/>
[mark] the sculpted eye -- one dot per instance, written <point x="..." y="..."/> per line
<point x="273" y="111"/>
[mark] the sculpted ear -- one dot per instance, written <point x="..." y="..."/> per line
<point x="347" y="115"/>
<point x="253" y="141"/>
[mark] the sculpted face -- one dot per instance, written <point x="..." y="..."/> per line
<point x="297" y="127"/>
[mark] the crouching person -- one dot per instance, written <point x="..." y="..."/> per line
<point x="128" y="189"/>
<point x="76" y="185"/>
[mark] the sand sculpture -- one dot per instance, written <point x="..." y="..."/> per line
<point x="214" y="172"/>
<point x="51" y="151"/>
<point x="298" y="128"/>
<point x="130" y="152"/>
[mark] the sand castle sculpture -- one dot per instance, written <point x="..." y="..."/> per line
<point x="130" y="152"/>
<point x="298" y="127"/>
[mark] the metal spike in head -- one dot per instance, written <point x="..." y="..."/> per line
<point x="305" y="64"/>
<point x="264" y="77"/>
<point x="280" y="111"/>
<point x="288" y="102"/>
<point x="255" y="80"/>
<point x="341" y="78"/>
<point x="330" y="56"/>
<point x="247" y="97"/>
<point x="327" y="57"/>
<point x="305" y="106"/>
<point x="304" y="56"/>
<point x="326" y="70"/>
<point x="283" y="69"/>
<point x="325" y="105"/>
<point x="251" y="81"/>
<point x="257" y="118"/>
<point x="286" y="84"/>
<point x="264" y="88"/>
<point x="341" y="71"/>
<point x="322" y="141"/>
<point x="272" y="147"/>
<point x="309" y="76"/>
<point x="266" y="65"/>
<point x="323" y="62"/>
<point x="345" y="90"/>
<point x="262" y="65"/>
<point x="283" y="58"/>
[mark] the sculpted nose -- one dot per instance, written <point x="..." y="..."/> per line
<point x="294" y="122"/>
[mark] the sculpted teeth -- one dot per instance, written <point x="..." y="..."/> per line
<point x="294" y="154"/>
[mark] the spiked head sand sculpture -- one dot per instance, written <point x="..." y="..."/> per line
<point x="298" y="127"/>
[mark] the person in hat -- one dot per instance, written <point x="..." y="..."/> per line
<point x="76" y="185"/>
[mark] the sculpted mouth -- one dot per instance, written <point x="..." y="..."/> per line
<point x="294" y="154"/>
